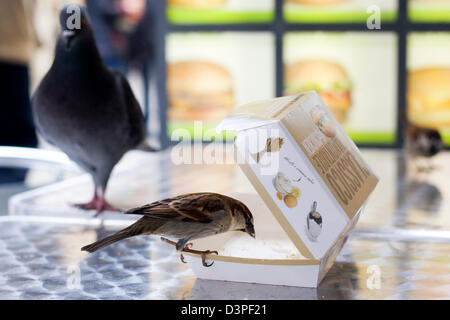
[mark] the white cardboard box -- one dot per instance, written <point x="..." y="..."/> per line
<point x="312" y="183"/>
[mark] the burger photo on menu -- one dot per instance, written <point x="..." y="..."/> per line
<point x="209" y="74"/>
<point x="428" y="81"/>
<point x="327" y="78"/>
<point x="220" y="11"/>
<point x="338" y="11"/>
<point x="199" y="90"/>
<point x="353" y="73"/>
<point x="429" y="97"/>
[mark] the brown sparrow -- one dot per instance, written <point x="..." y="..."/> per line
<point x="184" y="218"/>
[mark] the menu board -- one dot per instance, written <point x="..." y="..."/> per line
<point x="339" y="11"/>
<point x="355" y="73"/>
<point x="209" y="74"/>
<point x="219" y="11"/>
<point x="428" y="94"/>
<point x="429" y="10"/>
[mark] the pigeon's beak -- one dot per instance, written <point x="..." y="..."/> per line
<point x="68" y="36"/>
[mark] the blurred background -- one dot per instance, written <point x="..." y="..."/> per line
<point x="380" y="65"/>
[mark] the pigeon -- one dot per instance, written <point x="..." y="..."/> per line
<point x="87" y="109"/>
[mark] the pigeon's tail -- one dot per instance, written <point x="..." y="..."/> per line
<point x="145" y="146"/>
<point x="125" y="233"/>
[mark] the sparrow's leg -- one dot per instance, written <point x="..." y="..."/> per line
<point x="180" y="246"/>
<point x="187" y="248"/>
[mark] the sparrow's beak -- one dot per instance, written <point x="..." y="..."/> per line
<point x="251" y="232"/>
<point x="68" y="36"/>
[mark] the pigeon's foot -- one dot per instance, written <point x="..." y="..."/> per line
<point x="187" y="248"/>
<point x="98" y="204"/>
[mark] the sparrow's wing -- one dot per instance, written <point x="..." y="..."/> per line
<point x="196" y="207"/>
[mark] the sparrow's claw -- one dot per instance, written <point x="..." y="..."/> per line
<point x="204" y="254"/>
<point x="186" y="247"/>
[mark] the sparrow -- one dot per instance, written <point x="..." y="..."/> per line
<point x="87" y="109"/>
<point x="422" y="143"/>
<point x="185" y="218"/>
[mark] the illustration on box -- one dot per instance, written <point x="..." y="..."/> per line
<point x="313" y="223"/>
<point x="272" y="145"/>
<point x="286" y="191"/>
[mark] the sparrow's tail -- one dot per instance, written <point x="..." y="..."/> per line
<point x="123" y="234"/>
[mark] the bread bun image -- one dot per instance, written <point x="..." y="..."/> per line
<point x="428" y="98"/>
<point x="316" y="2"/>
<point x="196" y="3"/>
<point x="199" y="90"/>
<point x="290" y="201"/>
<point x="328" y="79"/>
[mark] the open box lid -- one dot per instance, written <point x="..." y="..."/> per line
<point x="327" y="179"/>
<point x="258" y="113"/>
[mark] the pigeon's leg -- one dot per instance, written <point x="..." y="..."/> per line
<point x="101" y="178"/>
<point x="91" y="205"/>
<point x="98" y="203"/>
<point x="103" y="205"/>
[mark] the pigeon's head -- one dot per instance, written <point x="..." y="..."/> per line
<point x="75" y="25"/>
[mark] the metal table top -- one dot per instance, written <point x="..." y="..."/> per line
<point x="400" y="250"/>
<point x="44" y="261"/>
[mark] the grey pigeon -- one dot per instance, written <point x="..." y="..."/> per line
<point x="87" y="109"/>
